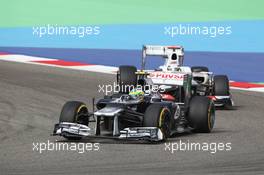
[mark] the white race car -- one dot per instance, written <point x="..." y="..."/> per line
<point x="204" y="83"/>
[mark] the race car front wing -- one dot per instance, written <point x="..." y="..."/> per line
<point x="67" y="129"/>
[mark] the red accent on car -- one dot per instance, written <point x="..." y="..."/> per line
<point x="212" y="98"/>
<point x="167" y="97"/>
<point x="174" y="47"/>
<point x="163" y="75"/>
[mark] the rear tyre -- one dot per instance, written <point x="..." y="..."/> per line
<point x="159" y="116"/>
<point x="74" y="112"/>
<point x="221" y="85"/>
<point x="127" y="78"/>
<point x="201" y="114"/>
<point x="199" y="69"/>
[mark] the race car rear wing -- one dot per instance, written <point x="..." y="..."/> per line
<point x="155" y="50"/>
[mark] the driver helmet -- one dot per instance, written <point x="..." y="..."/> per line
<point x="135" y="93"/>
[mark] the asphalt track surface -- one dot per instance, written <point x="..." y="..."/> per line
<point x="31" y="97"/>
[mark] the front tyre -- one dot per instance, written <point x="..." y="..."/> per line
<point x="74" y="112"/>
<point x="159" y="116"/>
<point x="201" y="114"/>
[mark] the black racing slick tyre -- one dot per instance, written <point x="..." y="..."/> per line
<point x="201" y="114"/>
<point x="199" y="69"/>
<point x="221" y="85"/>
<point x="127" y="78"/>
<point x="74" y="112"/>
<point x="157" y="115"/>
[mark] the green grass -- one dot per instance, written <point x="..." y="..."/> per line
<point x="19" y="13"/>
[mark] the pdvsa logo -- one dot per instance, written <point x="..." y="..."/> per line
<point x="163" y="75"/>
